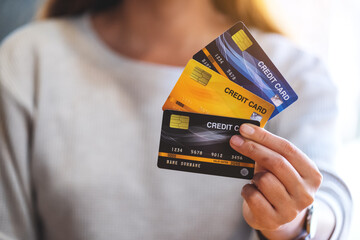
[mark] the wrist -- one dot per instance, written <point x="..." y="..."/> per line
<point x="291" y="230"/>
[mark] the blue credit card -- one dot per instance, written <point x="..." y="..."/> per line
<point x="236" y="55"/>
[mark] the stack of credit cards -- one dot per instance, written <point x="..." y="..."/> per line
<point x="229" y="82"/>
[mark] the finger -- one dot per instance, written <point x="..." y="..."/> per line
<point x="274" y="191"/>
<point x="296" y="157"/>
<point x="270" y="160"/>
<point x="259" y="213"/>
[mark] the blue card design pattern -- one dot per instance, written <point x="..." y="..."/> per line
<point x="236" y="55"/>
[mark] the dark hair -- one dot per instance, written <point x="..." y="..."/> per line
<point x="254" y="13"/>
<point x="63" y="8"/>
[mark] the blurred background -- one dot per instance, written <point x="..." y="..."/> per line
<point x="326" y="28"/>
<point x="329" y="29"/>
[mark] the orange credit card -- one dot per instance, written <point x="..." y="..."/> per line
<point x="201" y="90"/>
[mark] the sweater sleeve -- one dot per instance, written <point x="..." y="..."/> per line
<point x="17" y="214"/>
<point x="310" y="124"/>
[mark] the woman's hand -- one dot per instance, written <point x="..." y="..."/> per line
<point x="283" y="186"/>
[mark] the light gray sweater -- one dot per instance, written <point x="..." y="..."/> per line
<point x="79" y="135"/>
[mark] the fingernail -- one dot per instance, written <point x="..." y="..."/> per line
<point x="246" y="129"/>
<point x="237" y="140"/>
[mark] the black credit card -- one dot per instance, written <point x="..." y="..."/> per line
<point x="199" y="143"/>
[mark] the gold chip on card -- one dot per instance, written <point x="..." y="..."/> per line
<point x="242" y="40"/>
<point x="200" y="76"/>
<point x="180" y="122"/>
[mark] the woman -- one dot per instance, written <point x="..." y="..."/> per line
<point x="81" y="97"/>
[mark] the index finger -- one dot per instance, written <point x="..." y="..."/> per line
<point x="303" y="165"/>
